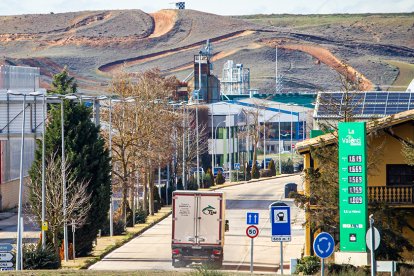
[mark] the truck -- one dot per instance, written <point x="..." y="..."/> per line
<point x="198" y="226"/>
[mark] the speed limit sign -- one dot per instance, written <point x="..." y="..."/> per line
<point x="252" y="231"/>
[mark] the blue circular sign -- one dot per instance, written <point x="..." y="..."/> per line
<point x="324" y="245"/>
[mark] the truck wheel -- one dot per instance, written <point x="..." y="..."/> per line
<point x="217" y="263"/>
<point x="179" y="263"/>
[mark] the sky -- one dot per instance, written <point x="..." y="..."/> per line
<point x="222" y="7"/>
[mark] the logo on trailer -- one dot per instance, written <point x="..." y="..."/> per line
<point x="209" y="210"/>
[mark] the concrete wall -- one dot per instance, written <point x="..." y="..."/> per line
<point x="10" y="194"/>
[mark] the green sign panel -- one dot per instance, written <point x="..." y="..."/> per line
<point x="352" y="186"/>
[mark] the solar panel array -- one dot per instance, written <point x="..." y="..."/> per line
<point x="363" y="104"/>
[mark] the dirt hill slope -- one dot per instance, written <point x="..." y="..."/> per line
<point x="96" y="44"/>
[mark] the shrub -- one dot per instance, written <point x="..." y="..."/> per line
<point x="34" y="257"/>
<point x="248" y="172"/>
<point x="170" y="189"/>
<point x="255" y="172"/>
<point x="265" y="173"/>
<point x="287" y="166"/>
<point x="337" y="269"/>
<point x="234" y="176"/>
<point x="272" y="168"/>
<point x="212" y="176"/>
<point x="141" y="215"/>
<point x="309" y="265"/>
<point x="157" y="200"/>
<point x="220" y="178"/>
<point x="207" y="179"/>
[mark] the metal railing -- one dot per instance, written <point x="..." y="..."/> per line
<point x="391" y="194"/>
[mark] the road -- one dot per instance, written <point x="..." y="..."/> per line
<point x="152" y="250"/>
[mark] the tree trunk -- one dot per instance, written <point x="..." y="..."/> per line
<point x="151" y="191"/>
<point x="145" y="193"/>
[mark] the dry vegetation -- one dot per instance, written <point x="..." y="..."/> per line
<point x="96" y="44"/>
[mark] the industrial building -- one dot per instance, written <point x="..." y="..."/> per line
<point x="286" y="124"/>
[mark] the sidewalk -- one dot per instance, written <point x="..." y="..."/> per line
<point x="107" y="244"/>
<point x="8" y="229"/>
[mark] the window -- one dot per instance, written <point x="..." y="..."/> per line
<point x="400" y="175"/>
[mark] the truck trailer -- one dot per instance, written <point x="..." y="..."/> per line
<point x="198" y="226"/>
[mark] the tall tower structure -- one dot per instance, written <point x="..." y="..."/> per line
<point x="235" y="79"/>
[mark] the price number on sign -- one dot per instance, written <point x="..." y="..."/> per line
<point x="355" y="200"/>
<point x="354" y="169"/>
<point x="354" y="179"/>
<point x="252" y="231"/>
<point x="355" y="190"/>
<point x="355" y="158"/>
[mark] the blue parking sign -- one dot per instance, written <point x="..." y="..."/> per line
<point x="280" y="221"/>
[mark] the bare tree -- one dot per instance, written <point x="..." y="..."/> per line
<point x="77" y="198"/>
<point x="142" y="124"/>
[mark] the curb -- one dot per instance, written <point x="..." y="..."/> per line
<point x="231" y="184"/>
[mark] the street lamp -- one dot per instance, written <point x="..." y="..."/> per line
<point x="19" y="255"/>
<point x="280" y="159"/>
<point x="264" y="138"/>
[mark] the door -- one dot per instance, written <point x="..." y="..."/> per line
<point x="209" y="219"/>
<point x="184" y="219"/>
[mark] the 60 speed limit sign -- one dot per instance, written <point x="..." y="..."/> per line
<point x="252" y="231"/>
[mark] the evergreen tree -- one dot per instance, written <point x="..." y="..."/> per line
<point x="85" y="151"/>
<point x="248" y="172"/>
<point x="255" y="172"/>
<point x="272" y="168"/>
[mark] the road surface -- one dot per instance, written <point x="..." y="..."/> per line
<point x="152" y="250"/>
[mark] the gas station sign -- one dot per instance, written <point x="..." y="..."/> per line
<point x="352" y="186"/>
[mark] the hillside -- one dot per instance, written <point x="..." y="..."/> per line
<point x="311" y="49"/>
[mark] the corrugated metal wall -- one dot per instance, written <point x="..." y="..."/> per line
<point x="10" y="158"/>
<point x="19" y="78"/>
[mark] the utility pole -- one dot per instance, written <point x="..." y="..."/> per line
<point x="184" y="130"/>
<point x="198" y="100"/>
<point x="43" y="173"/>
<point x="65" y="230"/>
<point x="19" y="257"/>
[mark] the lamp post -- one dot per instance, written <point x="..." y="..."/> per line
<point x="264" y="138"/>
<point x="43" y="173"/>
<point x="230" y="144"/>
<point x="20" y="221"/>
<point x="280" y="159"/>
<point x="19" y="264"/>
<point x="111" y="201"/>
<point x="65" y="230"/>
<point x="184" y="130"/>
<point x="291" y="132"/>
<point x="212" y="138"/>
<point x="198" y="99"/>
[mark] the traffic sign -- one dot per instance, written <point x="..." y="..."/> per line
<point x="353" y="196"/>
<point x="324" y="245"/>
<point x="237" y="166"/>
<point x="6" y="264"/>
<point x="45" y="226"/>
<point x="6" y="247"/>
<point x="6" y="268"/>
<point x="252" y="231"/>
<point x="252" y="218"/>
<point x="376" y="236"/>
<point x="280" y="221"/>
<point x="6" y="257"/>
